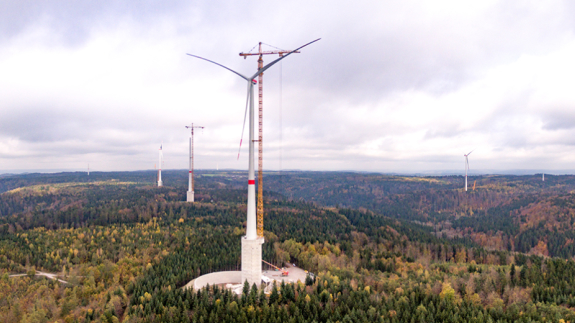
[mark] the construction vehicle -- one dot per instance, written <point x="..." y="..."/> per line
<point x="284" y="272"/>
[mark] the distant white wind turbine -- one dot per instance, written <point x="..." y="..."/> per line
<point x="467" y="167"/>
<point x="160" y="167"/>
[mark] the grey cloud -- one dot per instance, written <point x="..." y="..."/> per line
<point x="37" y="125"/>
<point x="364" y="62"/>
<point x="49" y="123"/>
<point x="559" y="119"/>
<point x="445" y="131"/>
<point x="73" y="20"/>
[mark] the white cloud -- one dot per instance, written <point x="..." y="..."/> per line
<point x="392" y="86"/>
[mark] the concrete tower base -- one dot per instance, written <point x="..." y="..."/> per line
<point x="252" y="260"/>
<point x="190" y="196"/>
<point x="160" y="183"/>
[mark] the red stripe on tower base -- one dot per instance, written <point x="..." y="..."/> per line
<point x="252" y="182"/>
<point x="190" y="172"/>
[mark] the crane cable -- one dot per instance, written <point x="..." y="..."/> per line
<point x="281" y="97"/>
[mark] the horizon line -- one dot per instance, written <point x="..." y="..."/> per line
<point x="521" y="172"/>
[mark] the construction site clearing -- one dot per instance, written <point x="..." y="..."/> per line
<point x="295" y="274"/>
<point x="232" y="279"/>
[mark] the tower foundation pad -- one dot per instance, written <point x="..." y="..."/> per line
<point x="252" y="260"/>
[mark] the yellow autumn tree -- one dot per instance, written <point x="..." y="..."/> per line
<point x="447" y="292"/>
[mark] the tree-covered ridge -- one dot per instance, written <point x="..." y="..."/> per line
<point x="514" y="213"/>
<point x="491" y="215"/>
<point x="84" y="204"/>
<point x="81" y="204"/>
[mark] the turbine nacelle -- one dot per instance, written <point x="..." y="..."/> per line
<point x="261" y="70"/>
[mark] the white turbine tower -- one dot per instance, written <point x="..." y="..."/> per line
<point x="251" y="243"/>
<point x="466" y="167"/>
<point x="160" y="168"/>
<point x="543" y="177"/>
<point x="190" y="195"/>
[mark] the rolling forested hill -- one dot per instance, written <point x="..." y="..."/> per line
<point x="383" y="248"/>
<point x="502" y="212"/>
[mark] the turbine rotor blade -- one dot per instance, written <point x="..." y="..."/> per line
<point x="245" y="117"/>
<point x="227" y="68"/>
<point x="261" y="70"/>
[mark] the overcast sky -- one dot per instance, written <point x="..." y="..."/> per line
<point x="392" y="86"/>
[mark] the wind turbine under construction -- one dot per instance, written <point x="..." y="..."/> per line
<point x="252" y="242"/>
<point x="190" y="197"/>
<point x="260" y="204"/>
<point x="467" y="167"/>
